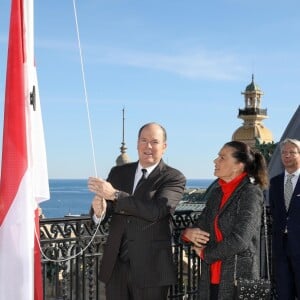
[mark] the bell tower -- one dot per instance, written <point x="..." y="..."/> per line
<point x="253" y="129"/>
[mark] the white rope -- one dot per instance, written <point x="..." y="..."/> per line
<point x="85" y="91"/>
<point x="93" y="151"/>
<point x="70" y="257"/>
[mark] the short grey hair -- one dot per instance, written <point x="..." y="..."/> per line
<point x="295" y="142"/>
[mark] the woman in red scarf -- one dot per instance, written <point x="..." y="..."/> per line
<point x="230" y="224"/>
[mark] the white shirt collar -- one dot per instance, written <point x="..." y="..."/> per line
<point x="296" y="173"/>
<point x="149" y="170"/>
<point x="139" y="173"/>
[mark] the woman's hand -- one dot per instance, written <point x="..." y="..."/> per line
<point x="197" y="236"/>
<point x="198" y="250"/>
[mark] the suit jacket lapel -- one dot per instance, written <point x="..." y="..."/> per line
<point x="279" y="192"/>
<point x="296" y="193"/>
<point x="130" y="177"/>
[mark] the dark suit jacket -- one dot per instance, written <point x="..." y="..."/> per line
<point x="283" y="218"/>
<point x="145" y="216"/>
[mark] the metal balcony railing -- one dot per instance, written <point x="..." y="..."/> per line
<point x="75" y="276"/>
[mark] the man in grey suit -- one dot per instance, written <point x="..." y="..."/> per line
<point x="137" y="262"/>
<point x="284" y="197"/>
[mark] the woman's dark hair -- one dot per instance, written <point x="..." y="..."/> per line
<point x="254" y="162"/>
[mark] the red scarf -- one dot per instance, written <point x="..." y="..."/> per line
<point x="227" y="189"/>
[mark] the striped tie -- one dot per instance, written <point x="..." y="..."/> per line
<point x="143" y="178"/>
<point x="288" y="190"/>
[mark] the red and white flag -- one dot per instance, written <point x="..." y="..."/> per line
<point x="24" y="176"/>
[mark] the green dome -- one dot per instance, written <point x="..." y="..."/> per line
<point x="252" y="87"/>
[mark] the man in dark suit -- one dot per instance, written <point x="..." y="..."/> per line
<point x="284" y="197"/>
<point x="137" y="262"/>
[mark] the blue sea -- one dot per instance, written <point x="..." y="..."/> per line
<point x="71" y="196"/>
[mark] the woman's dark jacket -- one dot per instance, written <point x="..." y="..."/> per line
<point x="240" y="223"/>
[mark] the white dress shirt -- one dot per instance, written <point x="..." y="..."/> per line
<point x="139" y="174"/>
<point x="294" y="178"/>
